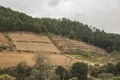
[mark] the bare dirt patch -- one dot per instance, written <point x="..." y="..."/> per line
<point x="9" y="59"/>
<point x="74" y="46"/>
<point x="32" y="42"/>
<point x="59" y="59"/>
<point x="3" y="41"/>
<point x="21" y="36"/>
<point x="36" y="47"/>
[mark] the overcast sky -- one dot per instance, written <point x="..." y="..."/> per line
<point x="103" y="14"/>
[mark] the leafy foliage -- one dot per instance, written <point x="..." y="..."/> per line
<point x="26" y="71"/>
<point x="62" y="72"/>
<point x="105" y="76"/>
<point x="118" y="67"/>
<point x="80" y="70"/>
<point x="109" y="71"/>
<point x="41" y="69"/>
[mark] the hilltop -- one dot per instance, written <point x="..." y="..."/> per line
<point x="16" y="21"/>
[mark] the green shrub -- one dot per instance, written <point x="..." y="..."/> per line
<point x="116" y="78"/>
<point x="20" y="67"/>
<point x="87" y="54"/>
<point x="41" y="69"/>
<point x="62" y="73"/>
<point x="80" y="70"/>
<point x="118" y="67"/>
<point x="111" y="68"/>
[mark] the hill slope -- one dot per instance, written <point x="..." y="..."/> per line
<point x="17" y="50"/>
<point x="15" y="21"/>
<point x="73" y="46"/>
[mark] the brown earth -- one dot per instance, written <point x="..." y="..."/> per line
<point x="3" y="41"/>
<point x="32" y="42"/>
<point x="9" y="59"/>
<point x="73" y="46"/>
<point x="30" y="37"/>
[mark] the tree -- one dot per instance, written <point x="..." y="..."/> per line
<point x="20" y="67"/>
<point x="111" y="68"/>
<point x="80" y="70"/>
<point x="118" y="67"/>
<point x="62" y="72"/>
<point x="22" y="70"/>
<point x="41" y="69"/>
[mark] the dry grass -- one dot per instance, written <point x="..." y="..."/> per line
<point x="36" y="47"/>
<point x="19" y="36"/>
<point x="3" y="40"/>
<point x="59" y="59"/>
<point x="36" y="43"/>
<point x="68" y="45"/>
<point x="32" y="42"/>
<point x="9" y="59"/>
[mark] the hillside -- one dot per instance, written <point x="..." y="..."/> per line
<point x="23" y="46"/>
<point x="73" y="46"/>
<point x="16" y="21"/>
<point x="31" y="42"/>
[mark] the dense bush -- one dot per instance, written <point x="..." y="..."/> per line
<point x="105" y="71"/>
<point x="80" y="70"/>
<point x="111" y="68"/>
<point x="62" y="72"/>
<point x="20" y="74"/>
<point x="40" y="70"/>
<point x="105" y="76"/>
<point x="118" y="67"/>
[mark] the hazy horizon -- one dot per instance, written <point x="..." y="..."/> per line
<point x="103" y="14"/>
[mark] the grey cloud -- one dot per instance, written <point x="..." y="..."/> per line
<point x="54" y="2"/>
<point x="103" y="14"/>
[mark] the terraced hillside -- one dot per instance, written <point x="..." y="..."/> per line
<point x="3" y="41"/>
<point x="32" y="42"/>
<point x="73" y="46"/>
<point x="23" y="46"/>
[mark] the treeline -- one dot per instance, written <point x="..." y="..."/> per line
<point x="16" y="21"/>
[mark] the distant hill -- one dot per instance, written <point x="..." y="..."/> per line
<point x="16" y="21"/>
